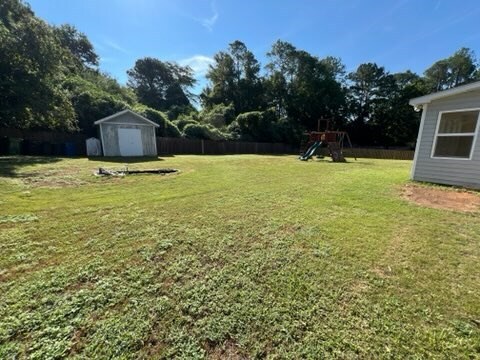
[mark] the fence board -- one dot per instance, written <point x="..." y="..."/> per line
<point x="379" y="153"/>
<point x="172" y="146"/>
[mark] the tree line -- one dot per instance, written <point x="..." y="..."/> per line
<point x="50" y="79"/>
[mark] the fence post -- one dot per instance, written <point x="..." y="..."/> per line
<point x="203" y="147"/>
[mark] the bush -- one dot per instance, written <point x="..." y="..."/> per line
<point x="256" y="125"/>
<point x="91" y="103"/>
<point x="288" y="131"/>
<point x="203" y="131"/>
<point x="177" y="111"/>
<point x="166" y="128"/>
<point x="265" y="126"/>
<point x="181" y="123"/>
<point x="219" y="116"/>
<point x="91" y="106"/>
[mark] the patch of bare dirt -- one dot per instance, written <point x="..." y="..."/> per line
<point x="229" y="350"/>
<point x="442" y="198"/>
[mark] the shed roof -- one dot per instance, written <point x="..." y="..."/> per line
<point x="123" y="112"/>
<point x="422" y="100"/>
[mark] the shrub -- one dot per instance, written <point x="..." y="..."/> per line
<point x="94" y="105"/>
<point x="177" y="111"/>
<point x="219" y="116"/>
<point x="181" y="123"/>
<point x="166" y="128"/>
<point x="90" y="102"/>
<point x="203" y="131"/>
<point x="257" y="125"/>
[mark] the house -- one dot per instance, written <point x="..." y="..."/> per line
<point x="127" y="133"/>
<point x="447" y="150"/>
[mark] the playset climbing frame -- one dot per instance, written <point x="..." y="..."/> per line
<point x="332" y="140"/>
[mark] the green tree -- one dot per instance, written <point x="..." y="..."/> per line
<point x="91" y="102"/>
<point x="395" y="120"/>
<point x="31" y="72"/>
<point x="234" y="79"/>
<point x="161" y="85"/>
<point x="369" y="88"/>
<point x="77" y="43"/>
<point x="303" y="87"/>
<point x="335" y="67"/>
<point x="378" y="106"/>
<point x="457" y="69"/>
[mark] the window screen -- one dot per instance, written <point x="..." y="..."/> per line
<point x="456" y="132"/>
<point x="458" y="122"/>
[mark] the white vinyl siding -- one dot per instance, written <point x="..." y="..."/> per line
<point x="447" y="170"/>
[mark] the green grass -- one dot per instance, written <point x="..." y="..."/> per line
<point x="234" y="257"/>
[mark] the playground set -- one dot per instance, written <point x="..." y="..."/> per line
<point x="331" y="140"/>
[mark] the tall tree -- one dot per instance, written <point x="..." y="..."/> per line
<point x="457" y="69"/>
<point x="77" y="43"/>
<point x="304" y="87"/>
<point x="335" y="66"/>
<point x="395" y="121"/>
<point x="378" y="106"/>
<point x="370" y="84"/>
<point x="161" y="85"/>
<point x="234" y="78"/>
<point x="31" y="72"/>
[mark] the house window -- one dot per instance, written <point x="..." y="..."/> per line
<point x="455" y="134"/>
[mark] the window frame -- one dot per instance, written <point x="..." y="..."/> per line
<point x="436" y="135"/>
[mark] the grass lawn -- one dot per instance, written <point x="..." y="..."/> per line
<point x="234" y="257"/>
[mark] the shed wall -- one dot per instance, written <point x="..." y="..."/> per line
<point x="447" y="171"/>
<point x="109" y="130"/>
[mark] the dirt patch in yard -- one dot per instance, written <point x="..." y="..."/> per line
<point x="442" y="198"/>
<point x="229" y="350"/>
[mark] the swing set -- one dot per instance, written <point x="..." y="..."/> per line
<point x="333" y="141"/>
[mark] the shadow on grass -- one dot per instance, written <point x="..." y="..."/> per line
<point x="347" y="161"/>
<point x="9" y="165"/>
<point x="123" y="160"/>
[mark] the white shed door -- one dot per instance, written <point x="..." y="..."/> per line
<point x="130" y="142"/>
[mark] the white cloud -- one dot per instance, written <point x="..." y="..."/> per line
<point x="198" y="63"/>
<point x="209" y="22"/>
<point x="113" y="45"/>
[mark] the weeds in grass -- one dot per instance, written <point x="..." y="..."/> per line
<point x="236" y="257"/>
<point x="17" y="218"/>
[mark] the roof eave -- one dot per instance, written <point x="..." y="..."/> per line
<point x="426" y="99"/>
<point x="124" y="112"/>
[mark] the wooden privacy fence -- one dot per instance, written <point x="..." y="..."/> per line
<point x="172" y="146"/>
<point x="379" y="153"/>
<point x="37" y="142"/>
<point x="176" y="146"/>
<point x="50" y="143"/>
<point x="42" y="136"/>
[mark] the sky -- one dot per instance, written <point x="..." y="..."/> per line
<point x="397" y="34"/>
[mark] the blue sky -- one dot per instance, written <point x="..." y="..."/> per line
<point x="398" y="34"/>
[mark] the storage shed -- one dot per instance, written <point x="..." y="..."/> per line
<point x="447" y="150"/>
<point x="127" y="133"/>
